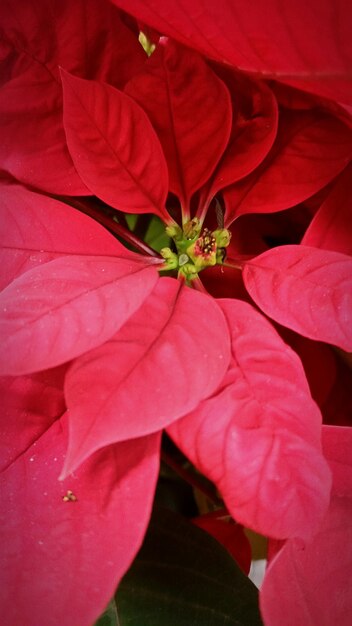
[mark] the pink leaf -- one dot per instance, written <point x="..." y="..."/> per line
<point x="114" y="147"/>
<point x="310" y="149"/>
<point x="310" y="583"/>
<point x="63" y="308"/>
<point x="61" y="561"/>
<point x="331" y="227"/>
<point x="305" y="289"/>
<point x="29" y="406"/>
<point x="305" y="44"/>
<point x="190" y="108"/>
<point x="86" y="37"/>
<point x="35" y="229"/>
<point x="258" y="437"/>
<point x="170" y="355"/>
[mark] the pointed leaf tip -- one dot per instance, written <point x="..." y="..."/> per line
<point x="114" y="147"/>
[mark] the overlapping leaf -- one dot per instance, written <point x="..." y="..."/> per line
<point x="35" y="229"/>
<point x="114" y="147"/>
<point x="254" y="127"/>
<point x="190" y="109"/>
<point x="331" y="227"/>
<point x="306" y="289"/>
<point x="258" y="437"/>
<point x="57" y="311"/>
<point x="312" y="579"/>
<point x="61" y="561"/>
<point x="231" y="536"/>
<point x="183" y="577"/>
<point x="170" y="355"/>
<point x="310" y="149"/>
<point x="305" y="44"/>
<point x="86" y="37"/>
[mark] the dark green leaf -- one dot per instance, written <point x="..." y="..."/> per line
<point x="109" y="617"/>
<point x="183" y="577"/>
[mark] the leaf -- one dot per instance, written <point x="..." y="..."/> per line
<point x="182" y="576"/>
<point x="231" y="536"/>
<point x="305" y="289"/>
<point x="86" y="37"/>
<point x="258" y="436"/>
<point x="63" y="308"/>
<point x="109" y="617"/>
<point x="310" y="149"/>
<point x="331" y="227"/>
<point x="170" y="355"/>
<point x="114" y="147"/>
<point x="317" y="573"/>
<point x="30" y="405"/>
<point x="319" y="362"/>
<point x="61" y="561"/>
<point x="190" y="109"/>
<point x="304" y="44"/>
<point x="35" y="229"/>
<point x="254" y="127"/>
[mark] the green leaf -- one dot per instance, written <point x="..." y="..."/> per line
<point x="183" y="577"/>
<point x="109" y="617"/>
<point x="156" y="236"/>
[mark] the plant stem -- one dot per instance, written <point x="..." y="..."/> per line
<point x="106" y="218"/>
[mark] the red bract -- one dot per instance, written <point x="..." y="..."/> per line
<point x="331" y="228"/>
<point x="181" y="83"/>
<point x="137" y="351"/>
<point x="89" y="39"/>
<point x="87" y="528"/>
<point x="101" y="124"/>
<point x="310" y="149"/>
<point x="259" y="431"/>
<point x="306" y="289"/>
<point x="312" y="579"/>
<point x="153" y="374"/>
<point x="273" y="39"/>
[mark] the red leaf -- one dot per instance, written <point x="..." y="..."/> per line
<point x="151" y="374"/>
<point x="254" y="129"/>
<point x="305" y="289"/>
<point x="310" y="583"/>
<point x="310" y="149"/>
<point x="331" y="228"/>
<point x="258" y="437"/>
<point x="86" y="37"/>
<point x="319" y="364"/>
<point x="305" y="44"/>
<point x="60" y="310"/>
<point x="114" y="147"/>
<point x="35" y="229"/>
<point x="231" y="536"/>
<point x="190" y="108"/>
<point x="61" y="561"/>
<point x="30" y="405"/>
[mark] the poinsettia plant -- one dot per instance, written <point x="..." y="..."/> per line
<point x="176" y="276"/>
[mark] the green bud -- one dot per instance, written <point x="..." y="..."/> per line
<point x="192" y="228"/>
<point x="222" y="237"/>
<point x="188" y="271"/>
<point x="174" y="231"/>
<point x="171" y="259"/>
